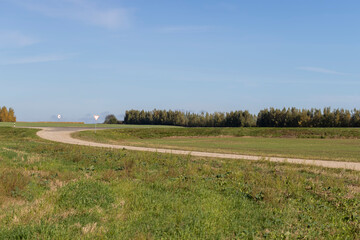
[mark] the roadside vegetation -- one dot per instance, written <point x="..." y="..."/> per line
<point x="57" y="191"/>
<point x="342" y="144"/>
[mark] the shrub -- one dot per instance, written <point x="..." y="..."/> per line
<point x="111" y="119"/>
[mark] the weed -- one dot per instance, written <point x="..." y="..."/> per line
<point x="12" y="182"/>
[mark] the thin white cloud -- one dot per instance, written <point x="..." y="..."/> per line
<point x="16" y="39"/>
<point x="321" y="70"/>
<point x="182" y="29"/>
<point x="81" y="10"/>
<point x="35" y="59"/>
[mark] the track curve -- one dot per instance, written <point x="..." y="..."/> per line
<point x="63" y="135"/>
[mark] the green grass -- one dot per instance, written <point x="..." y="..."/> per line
<point x="85" y="194"/>
<point x="313" y="143"/>
<point x="75" y="192"/>
<point x="151" y="133"/>
<point x="79" y="125"/>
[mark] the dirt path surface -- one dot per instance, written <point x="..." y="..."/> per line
<point x="63" y="135"/>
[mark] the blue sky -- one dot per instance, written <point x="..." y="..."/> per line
<point x="83" y="57"/>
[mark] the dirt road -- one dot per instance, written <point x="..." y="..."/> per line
<point x="63" y="135"/>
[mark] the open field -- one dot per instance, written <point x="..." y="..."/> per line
<point x="77" y="125"/>
<point x="52" y="190"/>
<point x="312" y="143"/>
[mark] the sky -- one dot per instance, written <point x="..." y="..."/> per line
<point x="78" y="58"/>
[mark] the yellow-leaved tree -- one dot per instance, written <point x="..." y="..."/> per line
<point x="7" y="116"/>
<point x="12" y="117"/>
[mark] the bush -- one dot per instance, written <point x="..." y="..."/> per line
<point x="111" y="119"/>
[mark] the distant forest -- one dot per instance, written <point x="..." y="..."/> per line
<point x="7" y="115"/>
<point x="290" y="117"/>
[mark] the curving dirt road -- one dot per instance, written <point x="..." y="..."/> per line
<point x="63" y="135"/>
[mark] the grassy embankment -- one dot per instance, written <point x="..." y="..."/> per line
<point x="310" y="143"/>
<point x="57" y="191"/>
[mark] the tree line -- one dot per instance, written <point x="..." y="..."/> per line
<point x="179" y="118"/>
<point x="271" y="117"/>
<point x="7" y="115"/>
<point x="293" y="117"/>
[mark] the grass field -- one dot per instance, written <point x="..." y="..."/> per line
<point x="78" y="125"/>
<point x="312" y="143"/>
<point x="56" y="191"/>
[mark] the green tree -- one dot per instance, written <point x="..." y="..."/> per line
<point x="111" y="119"/>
